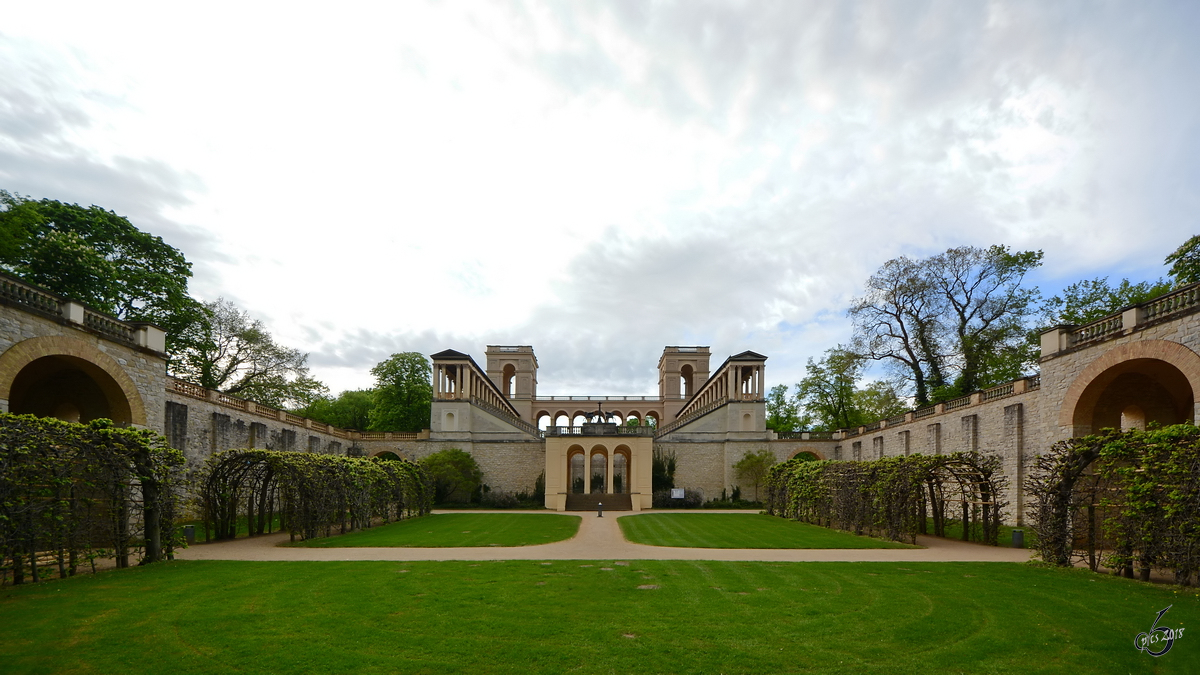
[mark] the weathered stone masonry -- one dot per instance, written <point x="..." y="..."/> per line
<point x="59" y="358"/>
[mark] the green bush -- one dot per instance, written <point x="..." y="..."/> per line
<point x="455" y="475"/>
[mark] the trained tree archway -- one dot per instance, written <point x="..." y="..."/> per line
<point x="894" y="497"/>
<point x="73" y="492"/>
<point x="311" y="494"/>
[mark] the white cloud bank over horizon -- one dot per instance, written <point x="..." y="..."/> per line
<point x="600" y="180"/>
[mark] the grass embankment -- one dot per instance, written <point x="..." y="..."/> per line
<point x="459" y="529"/>
<point x="573" y="616"/>
<point x="739" y="530"/>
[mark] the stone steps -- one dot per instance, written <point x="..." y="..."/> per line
<point x="588" y="502"/>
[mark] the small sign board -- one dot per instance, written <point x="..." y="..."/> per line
<point x="676" y="493"/>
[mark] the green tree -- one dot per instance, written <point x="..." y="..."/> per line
<point x="454" y="473"/>
<point x="230" y="352"/>
<point x="827" y="392"/>
<point x="99" y="258"/>
<point x="1090" y="299"/>
<point x="403" y="393"/>
<point x="951" y="323"/>
<point x="879" y="400"/>
<point x="350" y="410"/>
<point x="1185" y="262"/>
<point x="754" y="466"/>
<point x="783" y="412"/>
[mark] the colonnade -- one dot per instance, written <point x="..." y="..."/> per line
<point x="735" y="381"/>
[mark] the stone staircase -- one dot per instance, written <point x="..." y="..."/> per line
<point x="622" y="502"/>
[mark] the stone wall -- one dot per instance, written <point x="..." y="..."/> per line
<point x="25" y="334"/>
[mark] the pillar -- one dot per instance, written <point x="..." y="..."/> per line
<point x="608" y="475"/>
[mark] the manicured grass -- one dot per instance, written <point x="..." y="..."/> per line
<point x="591" y="617"/>
<point x="738" y="530"/>
<point x="460" y="529"/>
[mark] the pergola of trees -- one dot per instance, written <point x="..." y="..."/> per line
<point x="70" y="493"/>
<point x="895" y="498"/>
<point x="311" y="495"/>
<point x="1121" y="500"/>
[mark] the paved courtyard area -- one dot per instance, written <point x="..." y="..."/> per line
<point x="600" y="538"/>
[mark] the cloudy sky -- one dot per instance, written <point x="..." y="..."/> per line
<point x="603" y="179"/>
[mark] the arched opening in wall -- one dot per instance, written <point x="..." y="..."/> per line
<point x="510" y="380"/>
<point x="70" y="389"/>
<point x="806" y="455"/>
<point x="1133" y="417"/>
<point x="578" y="419"/>
<point x="633" y="419"/>
<point x="578" y="470"/>
<point x="449" y="422"/>
<point x="543" y="420"/>
<point x="599" y="473"/>
<point x="651" y="419"/>
<point x="685" y="380"/>
<point x="621" y="463"/>
<point x="388" y="455"/>
<point x="562" y="419"/>
<point x="747" y="422"/>
<point x="1149" y="390"/>
<point x="616" y="418"/>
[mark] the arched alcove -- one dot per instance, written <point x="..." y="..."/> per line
<point x="70" y="389"/>
<point x="57" y="376"/>
<point x="1149" y="390"/>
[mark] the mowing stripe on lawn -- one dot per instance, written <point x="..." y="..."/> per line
<point x="459" y="529"/>
<point x="591" y="617"/>
<point x="738" y="530"/>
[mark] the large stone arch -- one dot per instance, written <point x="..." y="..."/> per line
<point x="1164" y="373"/>
<point x="110" y="378"/>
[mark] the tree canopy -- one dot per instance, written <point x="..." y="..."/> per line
<point x="951" y="323"/>
<point x="230" y="352"/>
<point x="754" y="467"/>
<point x="403" y="393"/>
<point x="99" y="258"/>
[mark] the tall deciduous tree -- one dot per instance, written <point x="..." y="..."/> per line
<point x="783" y="412"/>
<point x="403" y="393"/>
<point x="899" y="321"/>
<point x="962" y="313"/>
<point x="230" y="352"/>
<point x="99" y="258"/>
<point x="827" y="392"/>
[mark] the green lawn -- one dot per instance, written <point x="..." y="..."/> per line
<point x="590" y="617"/>
<point x="738" y="530"/>
<point x="460" y="529"/>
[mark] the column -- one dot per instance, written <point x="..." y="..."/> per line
<point x="608" y="475"/>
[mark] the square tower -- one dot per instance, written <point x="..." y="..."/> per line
<point x="513" y="368"/>
<point x="681" y="373"/>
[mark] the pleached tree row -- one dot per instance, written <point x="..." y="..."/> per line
<point x="1121" y="500"/>
<point x="894" y="498"/>
<point x="71" y="493"/>
<point x="309" y="495"/>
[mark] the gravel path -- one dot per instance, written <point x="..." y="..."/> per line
<point x="599" y="539"/>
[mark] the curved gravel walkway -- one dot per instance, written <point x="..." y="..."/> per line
<point x="600" y="539"/>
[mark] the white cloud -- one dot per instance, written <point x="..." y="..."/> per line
<point x="603" y="179"/>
